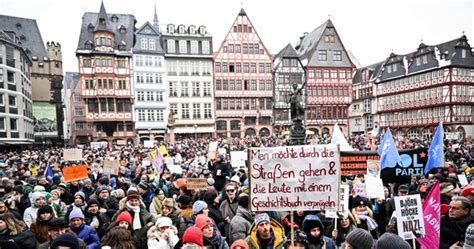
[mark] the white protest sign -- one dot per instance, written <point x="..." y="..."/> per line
<point x="72" y="154"/>
<point x="409" y="213"/>
<point x="146" y="163"/>
<point x="451" y="135"/>
<point x="222" y="151"/>
<point x="149" y="143"/>
<point x="111" y="167"/>
<point x="462" y="179"/>
<point x="294" y="178"/>
<point x="343" y="203"/>
<point x="358" y="189"/>
<point x="212" y="153"/>
<point x="238" y="158"/>
<point x="374" y="187"/>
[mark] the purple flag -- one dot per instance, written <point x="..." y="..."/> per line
<point x="432" y="218"/>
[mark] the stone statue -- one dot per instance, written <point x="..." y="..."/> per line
<point x="297" y="110"/>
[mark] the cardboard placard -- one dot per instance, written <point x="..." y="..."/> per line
<point x="463" y="180"/>
<point x="163" y="151"/>
<point x="111" y="167"/>
<point x="238" y="158"/>
<point x="373" y="168"/>
<point x="149" y="143"/>
<point x="72" y="155"/>
<point x="196" y="183"/>
<point x="409" y="213"/>
<point x="294" y="178"/>
<point x="374" y="187"/>
<point x="212" y="153"/>
<point x="75" y="173"/>
<point x="343" y="203"/>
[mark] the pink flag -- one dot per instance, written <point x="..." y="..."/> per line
<point x="157" y="162"/>
<point x="432" y="217"/>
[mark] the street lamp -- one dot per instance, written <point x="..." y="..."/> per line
<point x="195" y="131"/>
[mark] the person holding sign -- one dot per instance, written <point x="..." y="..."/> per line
<point x="364" y="216"/>
<point x="266" y="233"/>
<point x="454" y="225"/>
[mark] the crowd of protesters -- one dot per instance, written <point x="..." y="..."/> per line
<point x="139" y="208"/>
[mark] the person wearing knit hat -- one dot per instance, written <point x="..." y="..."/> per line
<point x="468" y="192"/>
<point x="141" y="221"/>
<point x="85" y="232"/>
<point x="96" y="219"/>
<point x="200" y="207"/>
<point x="79" y="202"/>
<point x="211" y="237"/>
<point x="192" y="237"/>
<point x="124" y="219"/>
<point x="239" y="244"/>
<point x="163" y="234"/>
<point x="40" y="226"/>
<point x="314" y="230"/>
<point x="30" y="214"/>
<point x="168" y="209"/>
<point x="469" y="237"/>
<point x="66" y="241"/>
<point x="359" y="239"/>
<point x="363" y="215"/>
<point x="266" y="232"/>
<point x="108" y="204"/>
<point x="391" y="241"/>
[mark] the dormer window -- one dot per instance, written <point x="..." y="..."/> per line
<point x="22" y="37"/>
<point x="90" y="27"/>
<point x="463" y="53"/>
<point x="170" y="28"/>
<point x="88" y="44"/>
<point x="181" y="29"/>
<point x="191" y="29"/>
<point x="122" y="29"/>
<point x="114" y="18"/>
<point x="202" y="30"/>
<point x="102" y="21"/>
<point x="122" y="45"/>
<point x="18" y="25"/>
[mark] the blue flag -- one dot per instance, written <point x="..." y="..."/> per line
<point x="48" y="172"/>
<point x="388" y="152"/>
<point x="435" y="152"/>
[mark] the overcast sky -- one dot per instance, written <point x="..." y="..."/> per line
<point x="370" y="29"/>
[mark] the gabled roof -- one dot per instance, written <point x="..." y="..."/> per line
<point x="154" y="32"/>
<point x="122" y="20"/>
<point x="287" y="52"/>
<point x="307" y="44"/>
<point x="99" y="25"/>
<point x="28" y="31"/>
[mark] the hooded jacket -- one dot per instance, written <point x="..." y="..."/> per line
<point x="278" y="236"/>
<point x="240" y="225"/>
<point x="311" y="221"/>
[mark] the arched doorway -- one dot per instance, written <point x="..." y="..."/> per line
<point x="142" y="139"/>
<point x="426" y="133"/>
<point x="250" y="132"/>
<point x="412" y="133"/>
<point x="264" y="132"/>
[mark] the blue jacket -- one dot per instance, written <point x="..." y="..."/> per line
<point x="88" y="235"/>
<point x="311" y="221"/>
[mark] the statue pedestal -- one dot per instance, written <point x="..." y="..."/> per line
<point x="297" y="133"/>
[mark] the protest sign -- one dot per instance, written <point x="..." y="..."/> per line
<point x="432" y="219"/>
<point x="72" y="155"/>
<point x="359" y="189"/>
<point x="212" y="152"/>
<point x="409" y="215"/>
<point x="222" y="151"/>
<point x="111" y="167"/>
<point x="75" y="173"/>
<point x="149" y="143"/>
<point x="146" y="163"/>
<point x="373" y="168"/>
<point x="343" y="203"/>
<point x="355" y="162"/>
<point x="196" y="183"/>
<point x="238" y="158"/>
<point x="463" y="180"/>
<point x="294" y="178"/>
<point x="374" y="187"/>
<point x="163" y="151"/>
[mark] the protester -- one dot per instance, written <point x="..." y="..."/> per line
<point x="314" y="230"/>
<point x="85" y="232"/>
<point x="211" y="237"/>
<point x="359" y="239"/>
<point x="14" y="233"/>
<point x="163" y="235"/>
<point x="37" y="201"/>
<point x="118" y="238"/>
<point x="454" y="225"/>
<point x="192" y="238"/>
<point x="266" y="232"/>
<point x="65" y="241"/>
<point x="40" y="227"/>
<point x="241" y="224"/>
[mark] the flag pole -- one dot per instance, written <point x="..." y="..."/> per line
<point x="292" y="229"/>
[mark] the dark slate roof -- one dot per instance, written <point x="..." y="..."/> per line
<point x="287" y="52"/>
<point x="128" y="21"/>
<point x="374" y="71"/>
<point x="71" y="80"/>
<point x="28" y="31"/>
<point x="307" y="45"/>
<point x="102" y="26"/>
<point x="155" y="33"/>
<point x="242" y="12"/>
<point x="6" y="37"/>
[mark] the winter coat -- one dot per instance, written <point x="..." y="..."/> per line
<point x="229" y="209"/>
<point x="310" y="222"/>
<point x="30" y="215"/>
<point x="157" y="241"/>
<point x="278" y="236"/>
<point x="220" y="180"/>
<point x="111" y="204"/>
<point x="216" y="215"/>
<point x="453" y="230"/>
<point x="240" y="225"/>
<point x="40" y="229"/>
<point x="216" y="242"/>
<point x="139" y="235"/>
<point x="103" y="222"/>
<point x="24" y="240"/>
<point x="59" y="208"/>
<point x="178" y="221"/>
<point x="89" y="235"/>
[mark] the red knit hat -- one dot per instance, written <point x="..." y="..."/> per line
<point x="240" y="243"/>
<point x="444" y="209"/>
<point x="193" y="235"/>
<point x="467" y="191"/>
<point x="124" y="216"/>
<point x="202" y="221"/>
